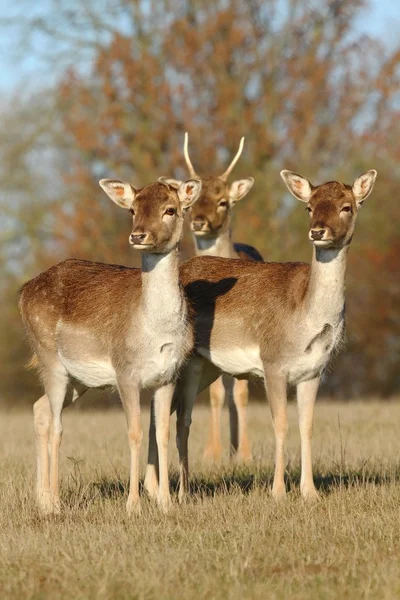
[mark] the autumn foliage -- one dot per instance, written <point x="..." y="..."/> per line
<point x="307" y="89"/>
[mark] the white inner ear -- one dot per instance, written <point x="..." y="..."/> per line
<point x="120" y="192"/>
<point x="363" y="185"/>
<point x="297" y="185"/>
<point x="301" y="188"/>
<point x="239" y="189"/>
<point x="188" y="192"/>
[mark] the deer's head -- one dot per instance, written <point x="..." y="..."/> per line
<point x="157" y="211"/>
<point x="332" y="206"/>
<point x="210" y="215"/>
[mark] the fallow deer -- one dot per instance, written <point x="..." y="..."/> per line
<point x="95" y="325"/>
<point x="277" y="321"/>
<point x="211" y="226"/>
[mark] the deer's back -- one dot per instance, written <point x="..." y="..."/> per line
<point x="80" y="293"/>
<point x="247" y="252"/>
<point x="244" y="304"/>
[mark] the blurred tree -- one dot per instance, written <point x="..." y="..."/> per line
<point x="307" y="89"/>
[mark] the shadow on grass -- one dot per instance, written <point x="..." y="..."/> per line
<point x="244" y="480"/>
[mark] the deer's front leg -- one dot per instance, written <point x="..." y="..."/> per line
<point x="162" y="410"/>
<point x="130" y="396"/>
<point x="151" y="484"/>
<point x="213" y="449"/>
<point x="277" y="395"/>
<point x="306" y="395"/>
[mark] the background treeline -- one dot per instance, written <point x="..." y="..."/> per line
<point x="118" y="83"/>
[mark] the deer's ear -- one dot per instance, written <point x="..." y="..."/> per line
<point x="239" y="189"/>
<point x="120" y="192"/>
<point x="170" y="182"/>
<point x="189" y="192"/>
<point x="363" y="185"/>
<point x="297" y="185"/>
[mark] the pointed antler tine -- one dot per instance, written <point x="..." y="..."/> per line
<point x="224" y="176"/>
<point x="192" y="172"/>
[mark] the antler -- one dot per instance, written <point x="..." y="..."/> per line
<point x="224" y="176"/>
<point x="192" y="172"/>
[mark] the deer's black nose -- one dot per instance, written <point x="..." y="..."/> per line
<point x="137" y="238"/>
<point x="317" y="234"/>
<point x="198" y="225"/>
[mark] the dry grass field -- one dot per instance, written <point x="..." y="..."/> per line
<point x="231" y="540"/>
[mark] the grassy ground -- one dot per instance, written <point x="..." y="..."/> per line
<point x="231" y="540"/>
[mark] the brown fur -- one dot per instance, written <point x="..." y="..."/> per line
<point x="33" y="363"/>
<point x="247" y="252"/>
<point x="216" y="217"/>
<point x="94" y="325"/>
<point x="213" y="191"/>
<point x="216" y="286"/>
<point x="325" y="201"/>
<point x="290" y="314"/>
<point x="79" y="292"/>
<point x="210" y="222"/>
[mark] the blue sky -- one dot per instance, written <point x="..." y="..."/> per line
<point x="382" y="20"/>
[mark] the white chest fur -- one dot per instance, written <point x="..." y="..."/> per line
<point x="312" y="332"/>
<point x="220" y="245"/>
<point x="305" y="358"/>
<point x="163" y="353"/>
<point x="163" y="321"/>
<point x="313" y="351"/>
<point x="150" y="350"/>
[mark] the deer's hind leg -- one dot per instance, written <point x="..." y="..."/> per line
<point x="197" y="375"/>
<point x="238" y="402"/>
<point x="42" y="421"/>
<point x="213" y="449"/>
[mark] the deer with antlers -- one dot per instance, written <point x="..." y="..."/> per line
<point x="95" y="325"/>
<point x="277" y="321"/>
<point x="211" y="226"/>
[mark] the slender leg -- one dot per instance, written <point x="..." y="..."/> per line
<point x="233" y="415"/>
<point x="162" y="405"/>
<point x="130" y="397"/>
<point x="186" y="393"/>
<point x="306" y="395"/>
<point x="42" y="418"/>
<point x="213" y="449"/>
<point x="152" y="469"/>
<point x="241" y="399"/>
<point x="41" y="422"/>
<point x="277" y="396"/>
<point x="57" y="388"/>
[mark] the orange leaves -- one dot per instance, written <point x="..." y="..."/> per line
<point x="308" y="90"/>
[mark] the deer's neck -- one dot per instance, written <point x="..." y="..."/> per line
<point x="220" y="245"/>
<point x="162" y="296"/>
<point x="325" y="293"/>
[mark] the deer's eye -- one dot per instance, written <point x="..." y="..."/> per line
<point x="346" y="209"/>
<point x="224" y="203"/>
<point x="132" y="212"/>
<point x="309" y="209"/>
<point x="170" y="212"/>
